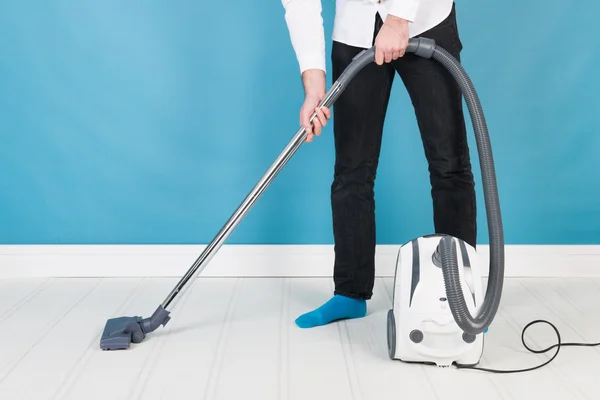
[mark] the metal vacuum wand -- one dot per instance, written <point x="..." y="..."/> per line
<point x="250" y="200"/>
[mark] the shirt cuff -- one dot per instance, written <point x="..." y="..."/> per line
<point x="312" y="60"/>
<point x="306" y="30"/>
<point x="405" y="9"/>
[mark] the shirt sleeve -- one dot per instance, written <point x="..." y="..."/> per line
<point x="405" y="9"/>
<point x="305" y="25"/>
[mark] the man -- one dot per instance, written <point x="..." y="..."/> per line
<point x="359" y="115"/>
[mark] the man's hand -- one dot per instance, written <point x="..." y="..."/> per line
<point x="314" y="89"/>
<point x="392" y="40"/>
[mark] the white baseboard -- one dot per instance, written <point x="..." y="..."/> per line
<point x="32" y="261"/>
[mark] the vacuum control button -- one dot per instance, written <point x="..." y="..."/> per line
<point x="416" y="336"/>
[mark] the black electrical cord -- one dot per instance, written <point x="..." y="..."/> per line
<point x="557" y="345"/>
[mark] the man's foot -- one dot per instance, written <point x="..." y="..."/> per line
<point x="337" y="308"/>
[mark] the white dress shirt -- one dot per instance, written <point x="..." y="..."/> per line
<point x="354" y="23"/>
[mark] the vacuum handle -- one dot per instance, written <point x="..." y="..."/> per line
<point x="422" y="47"/>
<point x="358" y="63"/>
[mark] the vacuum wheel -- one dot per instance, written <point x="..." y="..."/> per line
<point x="391" y="334"/>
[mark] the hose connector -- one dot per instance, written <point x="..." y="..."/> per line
<point x="422" y="47"/>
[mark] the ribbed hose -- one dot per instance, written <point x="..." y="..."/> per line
<point x="426" y="48"/>
<point x="454" y="292"/>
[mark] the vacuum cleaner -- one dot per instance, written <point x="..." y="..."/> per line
<point x="439" y="312"/>
<point x="419" y="326"/>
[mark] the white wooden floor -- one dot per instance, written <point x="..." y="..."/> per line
<point x="236" y="339"/>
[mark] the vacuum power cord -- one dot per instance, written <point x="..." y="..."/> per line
<point x="557" y="345"/>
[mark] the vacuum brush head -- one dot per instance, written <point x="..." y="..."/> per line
<point x="120" y="332"/>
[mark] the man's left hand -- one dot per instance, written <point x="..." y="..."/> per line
<point x="392" y="40"/>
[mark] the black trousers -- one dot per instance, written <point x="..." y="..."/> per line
<point x="359" y="115"/>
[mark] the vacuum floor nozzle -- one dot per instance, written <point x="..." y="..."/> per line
<point x="120" y="332"/>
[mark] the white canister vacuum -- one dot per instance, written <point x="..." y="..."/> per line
<point x="440" y="310"/>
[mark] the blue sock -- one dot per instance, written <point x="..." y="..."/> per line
<point x="337" y="308"/>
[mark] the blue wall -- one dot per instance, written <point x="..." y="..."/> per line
<point x="148" y="122"/>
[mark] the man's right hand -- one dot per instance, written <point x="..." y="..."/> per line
<point x="314" y="92"/>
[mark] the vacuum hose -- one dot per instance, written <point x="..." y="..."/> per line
<point x="426" y="48"/>
<point x="447" y="247"/>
